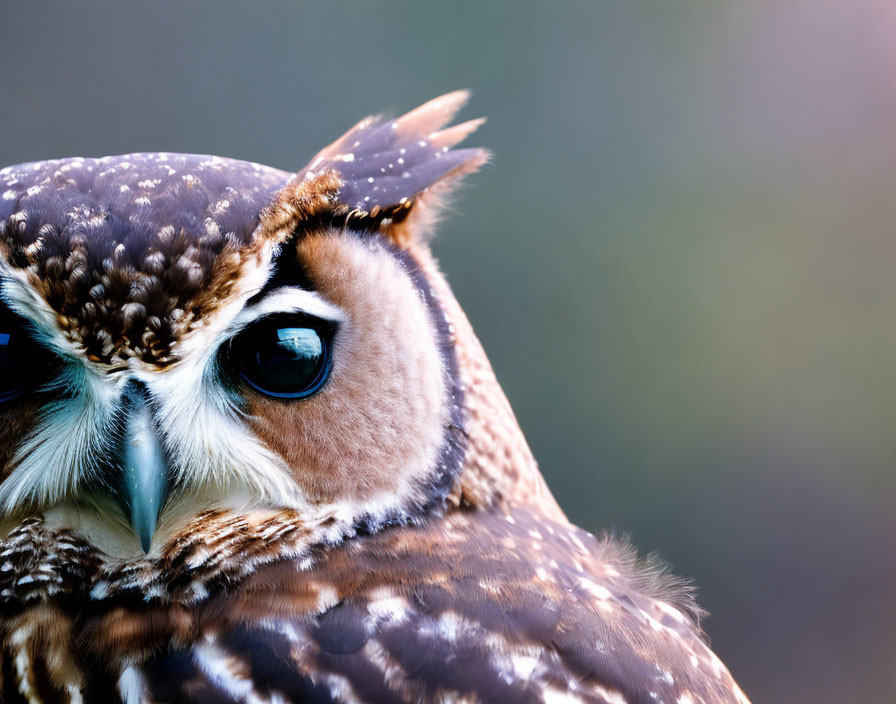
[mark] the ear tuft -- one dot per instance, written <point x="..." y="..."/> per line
<point x="385" y="169"/>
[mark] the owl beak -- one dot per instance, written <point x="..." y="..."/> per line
<point x="144" y="480"/>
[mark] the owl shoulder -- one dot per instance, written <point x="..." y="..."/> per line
<point x="477" y="606"/>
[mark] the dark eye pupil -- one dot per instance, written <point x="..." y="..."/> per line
<point x="283" y="358"/>
<point x="291" y="360"/>
<point x="20" y="363"/>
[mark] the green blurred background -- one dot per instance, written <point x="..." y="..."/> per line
<point x="681" y="261"/>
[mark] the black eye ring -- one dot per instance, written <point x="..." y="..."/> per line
<point x="286" y="356"/>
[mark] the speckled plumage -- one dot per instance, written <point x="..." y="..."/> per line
<point x="125" y="248"/>
<point x="388" y="540"/>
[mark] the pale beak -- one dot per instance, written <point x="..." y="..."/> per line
<point x="144" y="480"/>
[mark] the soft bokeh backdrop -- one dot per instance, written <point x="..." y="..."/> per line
<point x="681" y="261"/>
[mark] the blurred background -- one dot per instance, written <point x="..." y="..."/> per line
<point x="681" y="261"/>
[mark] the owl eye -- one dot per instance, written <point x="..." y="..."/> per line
<point x="284" y="356"/>
<point x="23" y="364"/>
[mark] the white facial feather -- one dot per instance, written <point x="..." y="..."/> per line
<point x="211" y="446"/>
<point x="64" y="449"/>
<point x="287" y="299"/>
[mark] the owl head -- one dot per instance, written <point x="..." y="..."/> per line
<point x="180" y="334"/>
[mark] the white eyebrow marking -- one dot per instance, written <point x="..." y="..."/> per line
<point x="288" y="299"/>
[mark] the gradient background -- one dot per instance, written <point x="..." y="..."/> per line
<point x="681" y="262"/>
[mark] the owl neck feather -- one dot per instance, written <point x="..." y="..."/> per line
<point x="498" y="467"/>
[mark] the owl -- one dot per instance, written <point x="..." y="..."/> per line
<point x="251" y="451"/>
